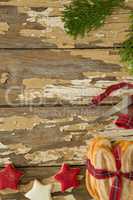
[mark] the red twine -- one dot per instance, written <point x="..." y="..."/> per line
<point x="116" y="188"/>
<point x="124" y="120"/>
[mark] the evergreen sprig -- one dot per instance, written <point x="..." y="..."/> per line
<point x="127" y="48"/>
<point x="82" y="16"/>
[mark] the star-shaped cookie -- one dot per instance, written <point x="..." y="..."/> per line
<point x="9" y="177"/>
<point x="67" y="177"/>
<point x="39" y="191"/>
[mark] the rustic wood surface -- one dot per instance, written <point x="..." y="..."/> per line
<point x="37" y="24"/>
<point x="58" y="77"/>
<point x="47" y="80"/>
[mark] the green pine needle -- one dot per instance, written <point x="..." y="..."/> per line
<point x="127" y="48"/>
<point x="82" y="16"/>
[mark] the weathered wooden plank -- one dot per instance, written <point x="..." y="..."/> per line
<point x="42" y="3"/>
<point x="55" y="77"/>
<point x="36" y="3"/>
<point x="50" y="136"/>
<point x="45" y="175"/>
<point x="58" y="132"/>
<point x="33" y="24"/>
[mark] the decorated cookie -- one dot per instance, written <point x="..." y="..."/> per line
<point x="39" y="191"/>
<point x="109" y="173"/>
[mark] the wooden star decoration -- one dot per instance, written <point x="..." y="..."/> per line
<point x="39" y="191"/>
<point x="67" y="177"/>
<point x="9" y="177"/>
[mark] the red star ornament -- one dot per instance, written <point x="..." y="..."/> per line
<point x="67" y="177"/>
<point x="9" y="177"/>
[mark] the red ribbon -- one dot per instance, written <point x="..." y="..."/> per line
<point x="116" y="188"/>
<point x="123" y="121"/>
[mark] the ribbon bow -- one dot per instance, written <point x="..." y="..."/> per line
<point x="116" y="189"/>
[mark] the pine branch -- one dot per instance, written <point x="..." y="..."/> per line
<point x="82" y="16"/>
<point x="127" y="48"/>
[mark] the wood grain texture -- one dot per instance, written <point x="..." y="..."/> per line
<point x="47" y="80"/>
<point x="37" y="24"/>
<point x="42" y="3"/>
<point x="55" y="77"/>
<point x="52" y="135"/>
<point x="45" y="175"/>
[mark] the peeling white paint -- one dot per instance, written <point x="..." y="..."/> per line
<point x="34" y="16"/>
<point x="32" y="33"/>
<point x="53" y="31"/>
<point x="44" y="19"/>
<point x="68" y="138"/>
<point x="61" y="93"/>
<point x="2" y="146"/>
<point x="87" y="118"/>
<point x="100" y="35"/>
<point x="19" y="148"/>
<point x="79" y="91"/>
<point x="74" y="127"/>
<point x="119" y="75"/>
<point x="28" y="122"/>
<point x="14" y="148"/>
<point x="66" y="154"/>
<point x="76" y="90"/>
<point x="116" y="133"/>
